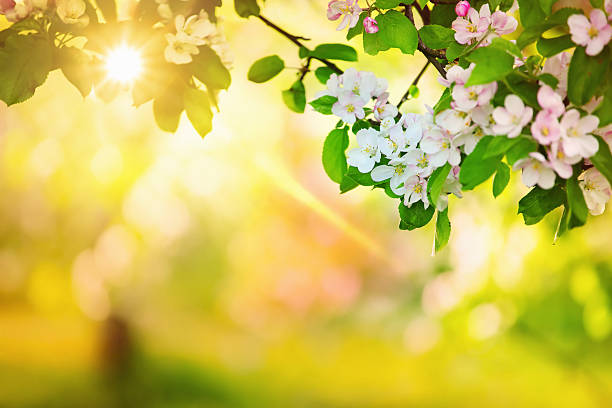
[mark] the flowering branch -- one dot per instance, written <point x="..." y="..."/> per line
<point x="430" y="54"/>
<point x="297" y="41"/>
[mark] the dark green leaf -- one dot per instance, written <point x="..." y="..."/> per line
<point x="334" y="158"/>
<point x="347" y="184"/>
<point x="197" y="107"/>
<point x="603" y="159"/>
<point x="531" y="13"/>
<point x="295" y="97"/>
<point x="549" y="80"/>
<point x="443" y="14"/>
<point x="475" y="168"/>
<point x="576" y="202"/>
<point x="246" y="8"/>
<point x="558" y="18"/>
<point x="454" y="50"/>
<point x="265" y="69"/>
<point x="387" y="4"/>
<point x="552" y="46"/>
<point x="539" y="202"/>
<point x="507" y="46"/>
<point x="586" y="74"/>
<point x="358" y="29"/>
<point x="492" y="64"/>
<point x="25" y="62"/>
<point x="436" y="36"/>
<point x="395" y="30"/>
<point x="363" y="179"/>
<point x="323" y="74"/>
<point x="527" y="91"/>
<point x="604" y="111"/>
<point x="436" y="182"/>
<point x="415" y="216"/>
<point x="499" y="145"/>
<point x="324" y="104"/>
<point x="546" y="6"/>
<point x="521" y="149"/>
<point x="335" y="51"/>
<point x="501" y="180"/>
<point x="443" y="230"/>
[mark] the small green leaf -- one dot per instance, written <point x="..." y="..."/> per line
<point x="335" y="51"/>
<point x="395" y="30"/>
<point x="443" y="230"/>
<point x="167" y="108"/>
<point x="603" y="159"/>
<point x="334" y="158"/>
<point x="347" y="184"/>
<point x="501" y="180"/>
<point x="539" y="202"/>
<point x="586" y="74"/>
<point x="265" y="69"/>
<point x="548" y="47"/>
<point x="415" y="216"/>
<point x="209" y="69"/>
<point x="444" y="102"/>
<point x="436" y="36"/>
<point x="499" y="145"/>
<point x="492" y="64"/>
<point x="77" y="68"/>
<point x="324" y="104"/>
<point x="363" y="179"/>
<point x="604" y="111"/>
<point x="576" y="202"/>
<point x="443" y="14"/>
<point x="295" y="97"/>
<point x="521" y="149"/>
<point x="475" y="168"/>
<point x="246" y="8"/>
<point x="549" y="80"/>
<point x="323" y="74"/>
<point x="197" y="107"/>
<point x="507" y="46"/>
<point x="358" y="28"/>
<point x="436" y="182"/>
<point x="454" y="50"/>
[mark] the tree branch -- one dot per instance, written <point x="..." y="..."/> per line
<point x="414" y="83"/>
<point x="430" y="54"/>
<point x="298" y="41"/>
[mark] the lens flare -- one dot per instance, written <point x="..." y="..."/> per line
<point x="123" y="64"/>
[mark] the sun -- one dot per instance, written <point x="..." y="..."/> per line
<point x="123" y="64"/>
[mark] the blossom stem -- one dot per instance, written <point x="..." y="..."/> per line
<point x="298" y="41"/>
<point x="406" y="95"/>
<point x="430" y="54"/>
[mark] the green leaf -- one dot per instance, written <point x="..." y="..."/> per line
<point x="546" y="6"/>
<point x="324" y="104"/>
<point x="167" y="108"/>
<point x="521" y="149"/>
<point x="507" y="46"/>
<point x="415" y="216"/>
<point x="492" y="64"/>
<point x="208" y="68"/>
<point x="444" y="102"/>
<point x="358" y="28"/>
<point x="335" y="51"/>
<point x="197" y="107"/>
<point x="334" y="158"/>
<point x="387" y="4"/>
<point x="597" y="3"/>
<point x="436" y="182"/>
<point x="246" y="8"/>
<point x="558" y="18"/>
<point x="531" y="13"/>
<point x="604" y="111"/>
<point x="323" y="74"/>
<point x="501" y="180"/>
<point x="603" y="159"/>
<point x="454" y="50"/>
<point x="76" y="67"/>
<point x="422" y="3"/>
<point x="475" y="168"/>
<point x="363" y="179"/>
<point x="395" y="30"/>
<point x="295" y="97"/>
<point x="443" y="14"/>
<point x="25" y="62"/>
<point x="347" y="184"/>
<point x="108" y="9"/>
<point x="265" y="69"/>
<point x="548" y="47"/>
<point x="360" y="124"/>
<point x="539" y="202"/>
<point x="436" y="36"/>
<point x="499" y="145"/>
<point x="549" y="80"/>
<point x="527" y="91"/>
<point x="443" y="230"/>
<point x="576" y="202"/>
<point x="586" y="74"/>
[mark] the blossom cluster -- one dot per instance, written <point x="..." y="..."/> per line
<point x="594" y="32"/>
<point x="481" y="27"/>
<point x="69" y="11"/>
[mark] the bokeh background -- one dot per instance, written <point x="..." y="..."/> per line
<point x="143" y="269"/>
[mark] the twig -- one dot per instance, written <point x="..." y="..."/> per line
<point x="297" y="41"/>
<point x="306" y="68"/>
<point x="414" y="83"/>
<point x="430" y="54"/>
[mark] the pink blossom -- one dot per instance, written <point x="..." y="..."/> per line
<point x="550" y="101"/>
<point x="536" y="170"/>
<point x="546" y="128"/>
<point x="466" y="99"/>
<point x="557" y="66"/>
<point x="370" y="25"/>
<point x="462" y="8"/>
<point x="472" y="28"/>
<point x="596" y="190"/>
<point x="456" y="75"/>
<point x="16" y="10"/>
<point x="512" y="117"/>
<point x="577" y="139"/>
<point x="349" y="107"/>
<point x="383" y="109"/>
<point x="441" y="148"/>
<point x="593" y="34"/>
<point x="502" y="23"/>
<point x="348" y="8"/>
<point x="560" y="162"/>
<point x="608" y="7"/>
<point x="6" y="5"/>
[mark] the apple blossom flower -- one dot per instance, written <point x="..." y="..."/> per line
<point x="164" y="10"/>
<point x="7" y="5"/>
<point x="195" y="28"/>
<point x="466" y="99"/>
<point x="512" y="117"/>
<point x="560" y="161"/>
<point x="502" y="23"/>
<point x="454" y="121"/>
<point x="415" y="191"/>
<point x="451" y="186"/>
<point x="596" y="190"/>
<point x="393" y="140"/>
<point x="370" y="25"/>
<point x="550" y="101"/>
<point x="474" y="27"/>
<point x="348" y="8"/>
<point x="398" y="170"/>
<point x="469" y="138"/>
<point x="608" y="8"/>
<point x="441" y="148"/>
<point x="16" y="10"/>
<point x="384" y="109"/>
<point x="72" y="12"/>
<point x="536" y="170"/>
<point x="361" y="83"/>
<point x="546" y="128"/>
<point x="367" y="154"/>
<point x="420" y="162"/>
<point x="557" y="66"/>
<point x="456" y="75"/>
<point x="483" y="117"/>
<point x="577" y="138"/>
<point x="414" y="125"/>
<point x="462" y="8"/>
<point x="593" y="33"/>
<point x="178" y="51"/>
<point x="349" y="107"/>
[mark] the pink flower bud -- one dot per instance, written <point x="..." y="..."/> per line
<point x="370" y="25"/>
<point x="462" y="8"/>
<point x="6" y="5"/>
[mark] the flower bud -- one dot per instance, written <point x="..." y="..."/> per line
<point x="6" y="5"/>
<point x="462" y="8"/>
<point x="370" y="25"/>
